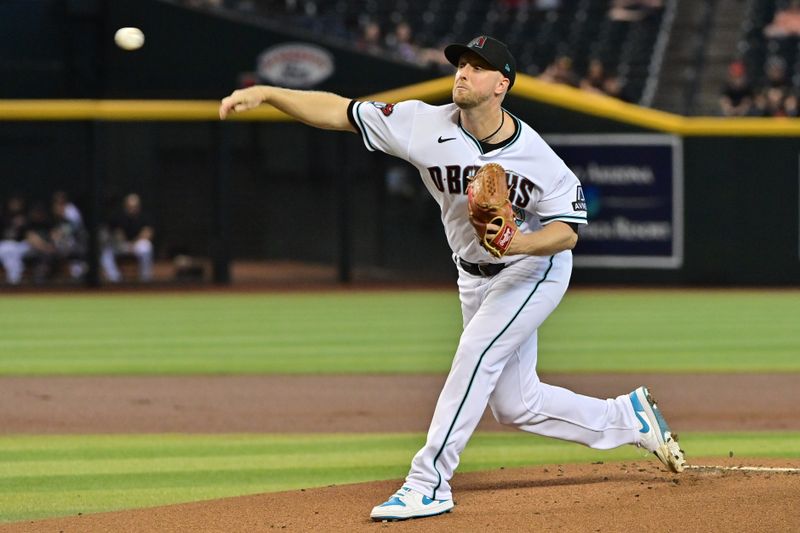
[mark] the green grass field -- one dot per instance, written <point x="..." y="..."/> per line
<point x="55" y="476"/>
<point x="410" y="332"/>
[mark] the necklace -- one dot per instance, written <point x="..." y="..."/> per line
<point x="502" y="121"/>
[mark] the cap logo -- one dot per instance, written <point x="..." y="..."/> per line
<point x="507" y="67"/>
<point x="477" y="42"/>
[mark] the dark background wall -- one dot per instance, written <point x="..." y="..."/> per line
<point x="285" y="181"/>
<point x="65" y="49"/>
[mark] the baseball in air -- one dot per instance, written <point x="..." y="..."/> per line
<point x="129" y="38"/>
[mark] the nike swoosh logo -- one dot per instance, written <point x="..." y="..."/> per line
<point x="445" y="140"/>
<point x="645" y="425"/>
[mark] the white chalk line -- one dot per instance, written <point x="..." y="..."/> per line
<point x="744" y="468"/>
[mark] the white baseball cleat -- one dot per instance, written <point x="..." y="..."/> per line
<point x="408" y="503"/>
<point x="655" y="433"/>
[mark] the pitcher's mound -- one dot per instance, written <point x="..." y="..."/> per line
<point x="632" y="496"/>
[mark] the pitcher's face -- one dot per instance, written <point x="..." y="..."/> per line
<point x="476" y="81"/>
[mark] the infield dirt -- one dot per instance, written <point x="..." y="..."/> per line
<point x="328" y="404"/>
<point x="633" y="496"/>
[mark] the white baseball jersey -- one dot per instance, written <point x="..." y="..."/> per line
<point x="542" y="188"/>
<point x="495" y="362"/>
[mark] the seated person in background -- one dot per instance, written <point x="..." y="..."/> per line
<point x="560" y="71"/>
<point x="616" y="86"/>
<point x="69" y="235"/>
<point x="40" y="250"/>
<point x="776" y="102"/>
<point x="786" y="22"/>
<point x="737" y="96"/>
<point x="400" y="44"/>
<point x="776" y="98"/>
<point x="595" y="77"/>
<point x="12" y="240"/>
<point x="775" y="71"/>
<point x="71" y="211"/>
<point x="130" y="233"/>
<point x="370" y="40"/>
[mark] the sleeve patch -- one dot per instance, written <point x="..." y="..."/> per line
<point x="580" y="202"/>
<point x="386" y="109"/>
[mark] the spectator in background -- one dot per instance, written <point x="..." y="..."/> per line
<point x="130" y="233"/>
<point x="71" y="211"/>
<point x="12" y="241"/>
<point x="786" y="22"/>
<point x="434" y="57"/>
<point x="399" y="44"/>
<point x="595" y="78"/>
<point x="737" y="98"/>
<point x="560" y="71"/>
<point x="776" y="98"/>
<point x="40" y="251"/>
<point x="68" y="235"/>
<point x="616" y="86"/>
<point x="13" y="217"/>
<point x="370" y="40"/>
<point x="598" y="80"/>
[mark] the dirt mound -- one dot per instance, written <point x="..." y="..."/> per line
<point x="636" y="496"/>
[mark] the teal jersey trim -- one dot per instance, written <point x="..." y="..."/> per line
<point x="517" y="134"/>
<point x="475" y="372"/>
<point x="571" y="217"/>
<point x="361" y="125"/>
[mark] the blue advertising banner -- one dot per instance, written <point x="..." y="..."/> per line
<point x="633" y="186"/>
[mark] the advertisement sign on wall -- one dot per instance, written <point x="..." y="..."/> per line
<point x="633" y="186"/>
<point x="295" y="65"/>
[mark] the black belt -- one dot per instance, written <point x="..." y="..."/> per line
<point x="485" y="269"/>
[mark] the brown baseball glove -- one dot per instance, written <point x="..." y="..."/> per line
<point x="487" y="198"/>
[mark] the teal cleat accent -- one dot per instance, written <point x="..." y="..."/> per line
<point x="408" y="503"/>
<point x="656" y="435"/>
<point x="638" y="410"/>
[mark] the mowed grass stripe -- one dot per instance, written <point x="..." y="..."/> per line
<point x="44" y="476"/>
<point x="387" y="332"/>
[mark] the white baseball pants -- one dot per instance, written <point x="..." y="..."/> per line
<point x="12" y="254"/>
<point x="495" y="363"/>
<point x="142" y="249"/>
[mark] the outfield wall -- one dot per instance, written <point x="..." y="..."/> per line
<point x="739" y="201"/>
<point x="728" y="210"/>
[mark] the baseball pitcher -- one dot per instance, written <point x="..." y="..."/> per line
<point x="510" y="209"/>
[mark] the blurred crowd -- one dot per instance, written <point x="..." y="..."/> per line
<point x="397" y="39"/>
<point x="597" y="78"/>
<point x="766" y="94"/>
<point x="767" y="91"/>
<point x="398" y="43"/>
<point x="50" y="242"/>
<point x="785" y="23"/>
<point x="774" y="97"/>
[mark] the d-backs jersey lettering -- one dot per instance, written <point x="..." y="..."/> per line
<point x="542" y="188"/>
